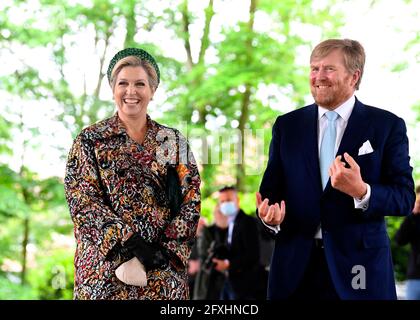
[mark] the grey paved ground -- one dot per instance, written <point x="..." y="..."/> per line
<point x="400" y="290"/>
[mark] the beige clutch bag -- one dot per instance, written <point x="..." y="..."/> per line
<point x="132" y="272"/>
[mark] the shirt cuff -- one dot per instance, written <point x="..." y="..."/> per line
<point x="363" y="203"/>
<point x="273" y="228"/>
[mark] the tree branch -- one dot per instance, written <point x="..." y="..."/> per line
<point x="101" y="63"/>
<point x="205" y="41"/>
<point x="186" y="35"/>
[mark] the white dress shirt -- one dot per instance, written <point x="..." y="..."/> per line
<point x="344" y="112"/>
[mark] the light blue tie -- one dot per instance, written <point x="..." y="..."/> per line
<point x="326" y="154"/>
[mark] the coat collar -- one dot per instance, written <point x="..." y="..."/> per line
<point x="113" y="126"/>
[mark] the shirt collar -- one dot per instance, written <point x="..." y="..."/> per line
<point x="232" y="218"/>
<point x="344" y="110"/>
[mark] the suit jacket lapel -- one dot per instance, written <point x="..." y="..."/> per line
<point x="356" y="127"/>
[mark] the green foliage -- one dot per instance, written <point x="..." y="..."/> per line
<point x="53" y="277"/>
<point x="244" y="58"/>
<point x="399" y="254"/>
<point x="24" y="196"/>
<point x="12" y="203"/>
<point x="248" y="202"/>
<point x="26" y="84"/>
<point x="207" y="207"/>
<point x="13" y="290"/>
<point x="10" y="240"/>
<point x="4" y="136"/>
<point x="416" y="108"/>
<point x="400" y="67"/>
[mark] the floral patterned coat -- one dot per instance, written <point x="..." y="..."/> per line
<point x="116" y="187"/>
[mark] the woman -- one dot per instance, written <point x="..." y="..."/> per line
<point x="132" y="187"/>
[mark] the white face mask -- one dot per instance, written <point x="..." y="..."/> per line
<point x="228" y="208"/>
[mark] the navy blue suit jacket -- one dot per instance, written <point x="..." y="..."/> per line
<point x="352" y="237"/>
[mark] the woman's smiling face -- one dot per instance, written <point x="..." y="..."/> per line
<point x="132" y="92"/>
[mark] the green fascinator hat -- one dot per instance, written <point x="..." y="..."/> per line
<point x="140" y="53"/>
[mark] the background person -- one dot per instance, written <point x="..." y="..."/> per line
<point x="242" y="264"/>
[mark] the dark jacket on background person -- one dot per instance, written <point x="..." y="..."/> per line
<point x="409" y="233"/>
<point x="209" y="282"/>
<point x="244" y="257"/>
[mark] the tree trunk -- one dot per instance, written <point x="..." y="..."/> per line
<point x="240" y="167"/>
<point x="130" y="20"/>
<point x="243" y="119"/>
<point x="25" y="239"/>
<point x="205" y="42"/>
<point x="101" y="65"/>
<point x="25" y="242"/>
<point x="186" y="35"/>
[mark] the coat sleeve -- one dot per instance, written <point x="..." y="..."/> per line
<point x="180" y="233"/>
<point x="93" y="218"/>
<point x="395" y="194"/>
<point x="271" y="185"/>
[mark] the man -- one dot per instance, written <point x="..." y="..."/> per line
<point x="243" y="254"/>
<point x="335" y="169"/>
<point x="409" y="232"/>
